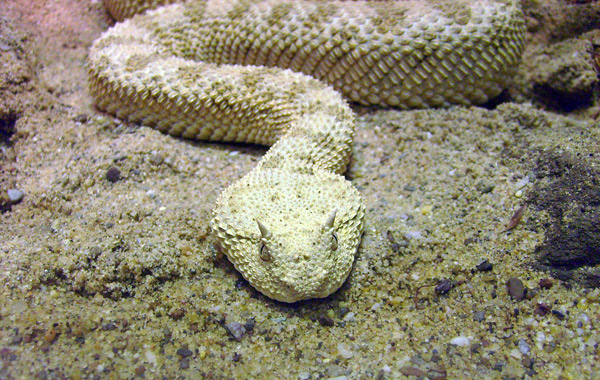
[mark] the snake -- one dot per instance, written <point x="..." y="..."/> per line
<point x="284" y="74"/>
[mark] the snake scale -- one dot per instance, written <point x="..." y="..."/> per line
<point x="276" y="72"/>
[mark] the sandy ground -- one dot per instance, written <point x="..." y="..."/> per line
<point x="108" y="268"/>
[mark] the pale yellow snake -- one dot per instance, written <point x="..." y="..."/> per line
<point x="256" y="71"/>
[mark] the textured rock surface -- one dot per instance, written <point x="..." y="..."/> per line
<point x="179" y="68"/>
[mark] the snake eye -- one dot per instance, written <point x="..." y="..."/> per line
<point x="264" y="254"/>
<point x="334" y="242"/>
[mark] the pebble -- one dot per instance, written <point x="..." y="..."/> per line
<point x="484" y="186"/>
<point x="479" y="316"/>
<point x="113" y="174"/>
<point x="250" y="324"/>
<point x="344" y="351"/>
<point x="461" y="341"/>
<point x="326" y="320"/>
<point x="541" y="309"/>
<point x="523" y="347"/>
<point x="444" y="286"/>
<point x="558" y="314"/>
<point x="412" y="371"/>
<point x="413" y="235"/>
<point x="236" y="330"/>
<point x="15" y="195"/>
<point x="108" y="326"/>
<point x="515" y="288"/>
<point x="157" y="159"/>
<point x="184" y="352"/>
<point x="522" y="183"/>
<point x="545" y="283"/>
<point x="485" y="266"/>
<point x="177" y="314"/>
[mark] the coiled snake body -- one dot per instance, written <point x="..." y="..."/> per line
<point x="274" y="72"/>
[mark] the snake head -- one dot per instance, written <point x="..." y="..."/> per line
<point x="294" y="239"/>
<point x="303" y="263"/>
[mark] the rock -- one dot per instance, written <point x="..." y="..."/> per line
<point x="484" y="186"/>
<point x="113" y="174"/>
<point x="15" y="195"/>
<point x="545" y="283"/>
<point x="485" y="266"/>
<point x="523" y="347"/>
<point x="568" y="192"/>
<point x="236" y="330"/>
<point x="184" y="352"/>
<point x="479" y="316"/>
<point x="515" y="288"/>
<point x="326" y="320"/>
<point x="561" y="75"/>
<point x="461" y="341"/>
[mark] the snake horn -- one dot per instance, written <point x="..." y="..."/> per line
<point x="330" y="220"/>
<point x="264" y="231"/>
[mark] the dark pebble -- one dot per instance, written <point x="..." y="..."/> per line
<point x="498" y="366"/>
<point x="113" y="174"/>
<point x="108" y="326"/>
<point x="250" y="323"/>
<point x="412" y="371"/>
<point x="236" y="330"/>
<point x="479" y="316"/>
<point x="545" y="283"/>
<point x="485" y="266"/>
<point x="236" y="357"/>
<point x="542" y="309"/>
<point x="444" y="286"/>
<point x="326" y="321"/>
<point x="558" y="314"/>
<point x="184" y="351"/>
<point x="515" y="288"/>
<point x="177" y="314"/>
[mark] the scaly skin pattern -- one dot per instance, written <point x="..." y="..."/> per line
<point x="276" y="72"/>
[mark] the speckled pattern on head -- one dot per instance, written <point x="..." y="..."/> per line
<point x="256" y="71"/>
